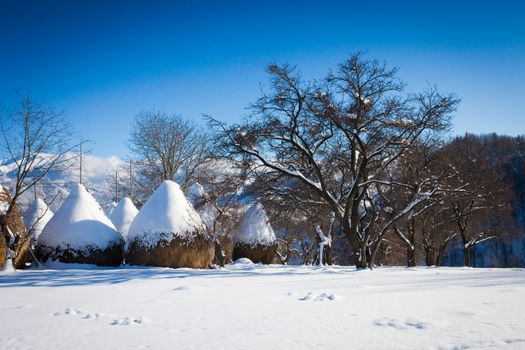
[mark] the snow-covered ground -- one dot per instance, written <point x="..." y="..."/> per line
<point x="246" y="306"/>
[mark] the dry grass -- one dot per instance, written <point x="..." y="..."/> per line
<point x="111" y="256"/>
<point x="257" y="253"/>
<point x="196" y="253"/>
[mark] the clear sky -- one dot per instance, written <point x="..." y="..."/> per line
<point x="104" y="61"/>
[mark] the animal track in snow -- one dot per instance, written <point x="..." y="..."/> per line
<point x="127" y="321"/>
<point x="115" y="320"/>
<point x="311" y="296"/>
<point x="400" y="325"/>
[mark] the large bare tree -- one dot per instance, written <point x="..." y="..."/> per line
<point x="36" y="141"/>
<point x="339" y="137"/>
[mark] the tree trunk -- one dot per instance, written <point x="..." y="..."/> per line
<point x="430" y="255"/>
<point x="441" y="251"/>
<point x="361" y="265"/>
<point x="363" y="258"/>
<point x="360" y="257"/>
<point x="328" y="255"/>
<point x="467" y="251"/>
<point x="411" y="256"/>
<point x="219" y="256"/>
<point x="411" y="249"/>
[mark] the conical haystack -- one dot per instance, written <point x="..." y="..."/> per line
<point x="79" y="232"/>
<point x="168" y="232"/>
<point x="12" y="229"/>
<point x="36" y="217"/>
<point x="255" y="239"/>
<point x="122" y="216"/>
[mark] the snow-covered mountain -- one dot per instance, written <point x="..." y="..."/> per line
<point x="54" y="187"/>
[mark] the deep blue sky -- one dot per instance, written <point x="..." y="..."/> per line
<point x="104" y="61"/>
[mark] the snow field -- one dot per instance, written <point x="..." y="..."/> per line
<point x="251" y="306"/>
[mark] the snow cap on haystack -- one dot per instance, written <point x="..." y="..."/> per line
<point x="122" y="216"/>
<point x="36" y="217"/>
<point x="81" y="232"/>
<point x="165" y="215"/>
<point x="167" y="231"/>
<point x="255" y="239"/>
<point x="255" y="228"/>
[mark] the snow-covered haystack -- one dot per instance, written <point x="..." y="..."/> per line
<point x="122" y="216"/>
<point x="12" y="228"/>
<point x="255" y="239"/>
<point x="36" y="217"/>
<point x="80" y="232"/>
<point x="168" y="232"/>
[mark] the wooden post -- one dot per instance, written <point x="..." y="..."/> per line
<point x="116" y="186"/>
<point x="80" y="181"/>
<point x="130" y="178"/>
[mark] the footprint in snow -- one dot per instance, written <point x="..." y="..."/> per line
<point x="115" y="320"/>
<point x="311" y="296"/>
<point x="400" y="325"/>
<point x="131" y="321"/>
<point x="181" y="288"/>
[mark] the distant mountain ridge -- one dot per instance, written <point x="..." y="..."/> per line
<point x="54" y="187"/>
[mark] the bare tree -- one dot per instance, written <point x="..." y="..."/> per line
<point x="437" y="231"/>
<point x="482" y="211"/>
<point x="339" y="137"/>
<point x="37" y="140"/>
<point x="294" y="210"/>
<point x="167" y="147"/>
<point x="222" y="181"/>
<point x="416" y="173"/>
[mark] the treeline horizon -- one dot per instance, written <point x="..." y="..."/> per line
<point x="351" y="168"/>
